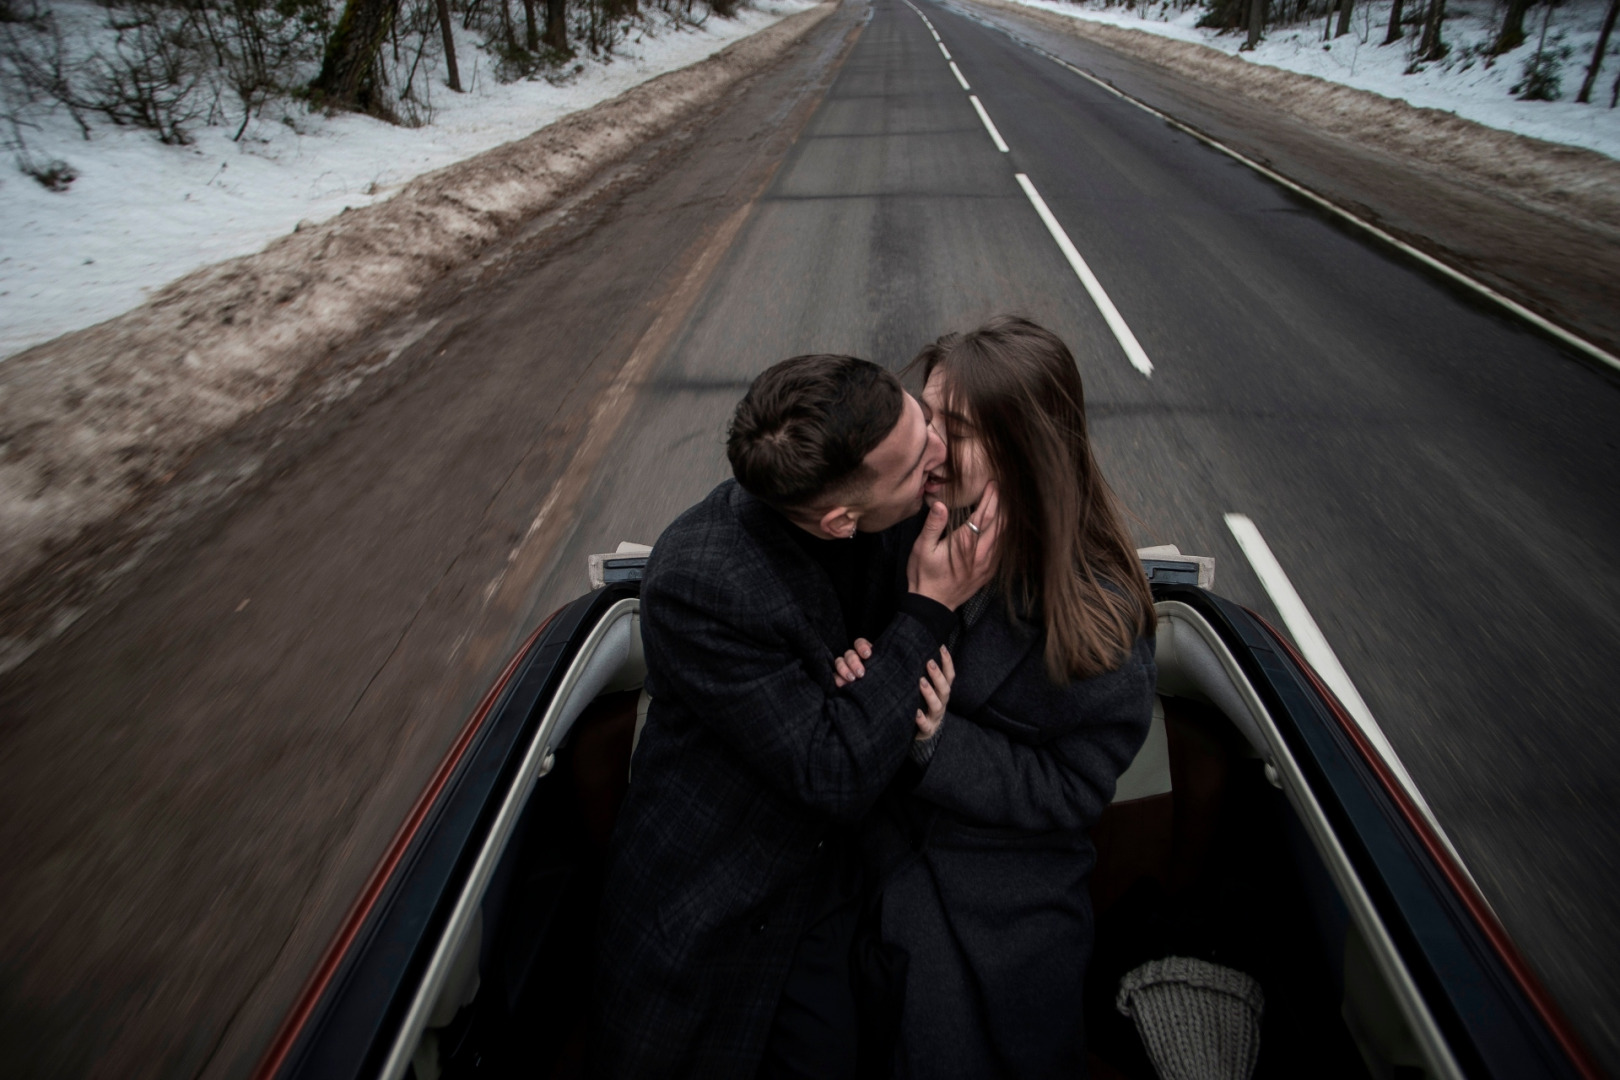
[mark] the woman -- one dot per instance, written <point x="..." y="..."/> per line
<point x="981" y="857"/>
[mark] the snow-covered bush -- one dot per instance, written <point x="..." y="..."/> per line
<point x="262" y="50"/>
<point x="1542" y="77"/>
<point x="157" y="65"/>
<point x="149" y="74"/>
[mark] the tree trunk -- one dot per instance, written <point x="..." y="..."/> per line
<point x="1257" y="22"/>
<point x="450" y="44"/>
<point x="508" y="35"/>
<point x="557" y="25"/>
<point x="1433" y="45"/>
<point x="531" y="33"/>
<point x="1395" y="30"/>
<point x="1333" y="8"/>
<point x="1511" y="35"/>
<point x="1585" y="96"/>
<point x="1344" y="18"/>
<point x="350" y="76"/>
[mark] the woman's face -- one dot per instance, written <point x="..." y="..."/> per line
<point x="965" y="446"/>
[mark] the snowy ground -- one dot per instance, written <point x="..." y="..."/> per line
<point x="141" y="214"/>
<point x="1462" y="83"/>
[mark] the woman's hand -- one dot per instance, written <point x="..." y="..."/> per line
<point x="952" y="567"/>
<point x="936" y="692"/>
<point x="848" y="667"/>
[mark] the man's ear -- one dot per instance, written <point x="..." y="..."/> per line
<point x="840" y="522"/>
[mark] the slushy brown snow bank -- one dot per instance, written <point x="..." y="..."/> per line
<point x="94" y="423"/>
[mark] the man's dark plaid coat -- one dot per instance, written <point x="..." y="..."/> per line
<point x="748" y="760"/>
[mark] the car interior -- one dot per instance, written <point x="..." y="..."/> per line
<point x="1214" y="848"/>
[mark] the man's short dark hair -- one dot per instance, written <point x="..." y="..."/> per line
<point x="803" y="430"/>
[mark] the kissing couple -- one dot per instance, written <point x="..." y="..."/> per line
<point x="896" y="666"/>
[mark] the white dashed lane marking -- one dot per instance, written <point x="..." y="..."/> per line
<point x="988" y="126"/>
<point x="1127" y="340"/>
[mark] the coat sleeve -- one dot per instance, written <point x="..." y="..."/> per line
<point x="988" y="777"/>
<point x="741" y="676"/>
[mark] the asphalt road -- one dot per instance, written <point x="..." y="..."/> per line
<point x="1439" y="484"/>
<point x="194" y="786"/>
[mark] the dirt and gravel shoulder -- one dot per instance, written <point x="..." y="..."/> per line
<point x="1537" y="221"/>
<point x="94" y="425"/>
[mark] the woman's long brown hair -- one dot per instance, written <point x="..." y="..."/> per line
<point x="1064" y="549"/>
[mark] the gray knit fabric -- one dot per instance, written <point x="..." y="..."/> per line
<point x="1197" y="1020"/>
<point x="922" y="750"/>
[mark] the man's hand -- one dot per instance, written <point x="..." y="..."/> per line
<point x="848" y="667"/>
<point x="951" y="569"/>
<point x="936" y="692"/>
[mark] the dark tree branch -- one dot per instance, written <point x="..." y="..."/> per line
<point x="1585" y="96"/>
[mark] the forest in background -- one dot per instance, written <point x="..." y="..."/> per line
<point x="172" y="66"/>
<point x="1422" y="27"/>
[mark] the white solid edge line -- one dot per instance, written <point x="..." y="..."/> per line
<point x="988" y="126"/>
<point x="1127" y="340"/>
<point x="942" y="48"/>
<point x="1545" y="325"/>
<point x="1319" y="654"/>
<point x="958" y="73"/>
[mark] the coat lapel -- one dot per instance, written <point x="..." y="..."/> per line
<point x="988" y="653"/>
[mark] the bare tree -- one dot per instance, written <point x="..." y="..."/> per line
<point x="449" y="44"/>
<point x="1395" y="31"/>
<point x="148" y="77"/>
<point x="351" y="77"/>
<point x="1511" y="34"/>
<point x="257" y="47"/>
<point x="1433" y="45"/>
<point x="557" y="25"/>
<point x="1257" y="23"/>
<point x="1344" y="18"/>
<point x="531" y="34"/>
<point x="1585" y="96"/>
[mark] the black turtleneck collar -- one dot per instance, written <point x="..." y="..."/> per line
<point x="848" y="565"/>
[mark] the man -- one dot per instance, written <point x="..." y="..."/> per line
<point x="731" y="892"/>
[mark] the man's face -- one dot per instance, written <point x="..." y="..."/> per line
<point x="901" y="464"/>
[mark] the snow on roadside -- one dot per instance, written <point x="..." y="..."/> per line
<point x="1462" y="83"/>
<point x="142" y="214"/>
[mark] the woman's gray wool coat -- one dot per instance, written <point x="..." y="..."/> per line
<point x="985" y="861"/>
